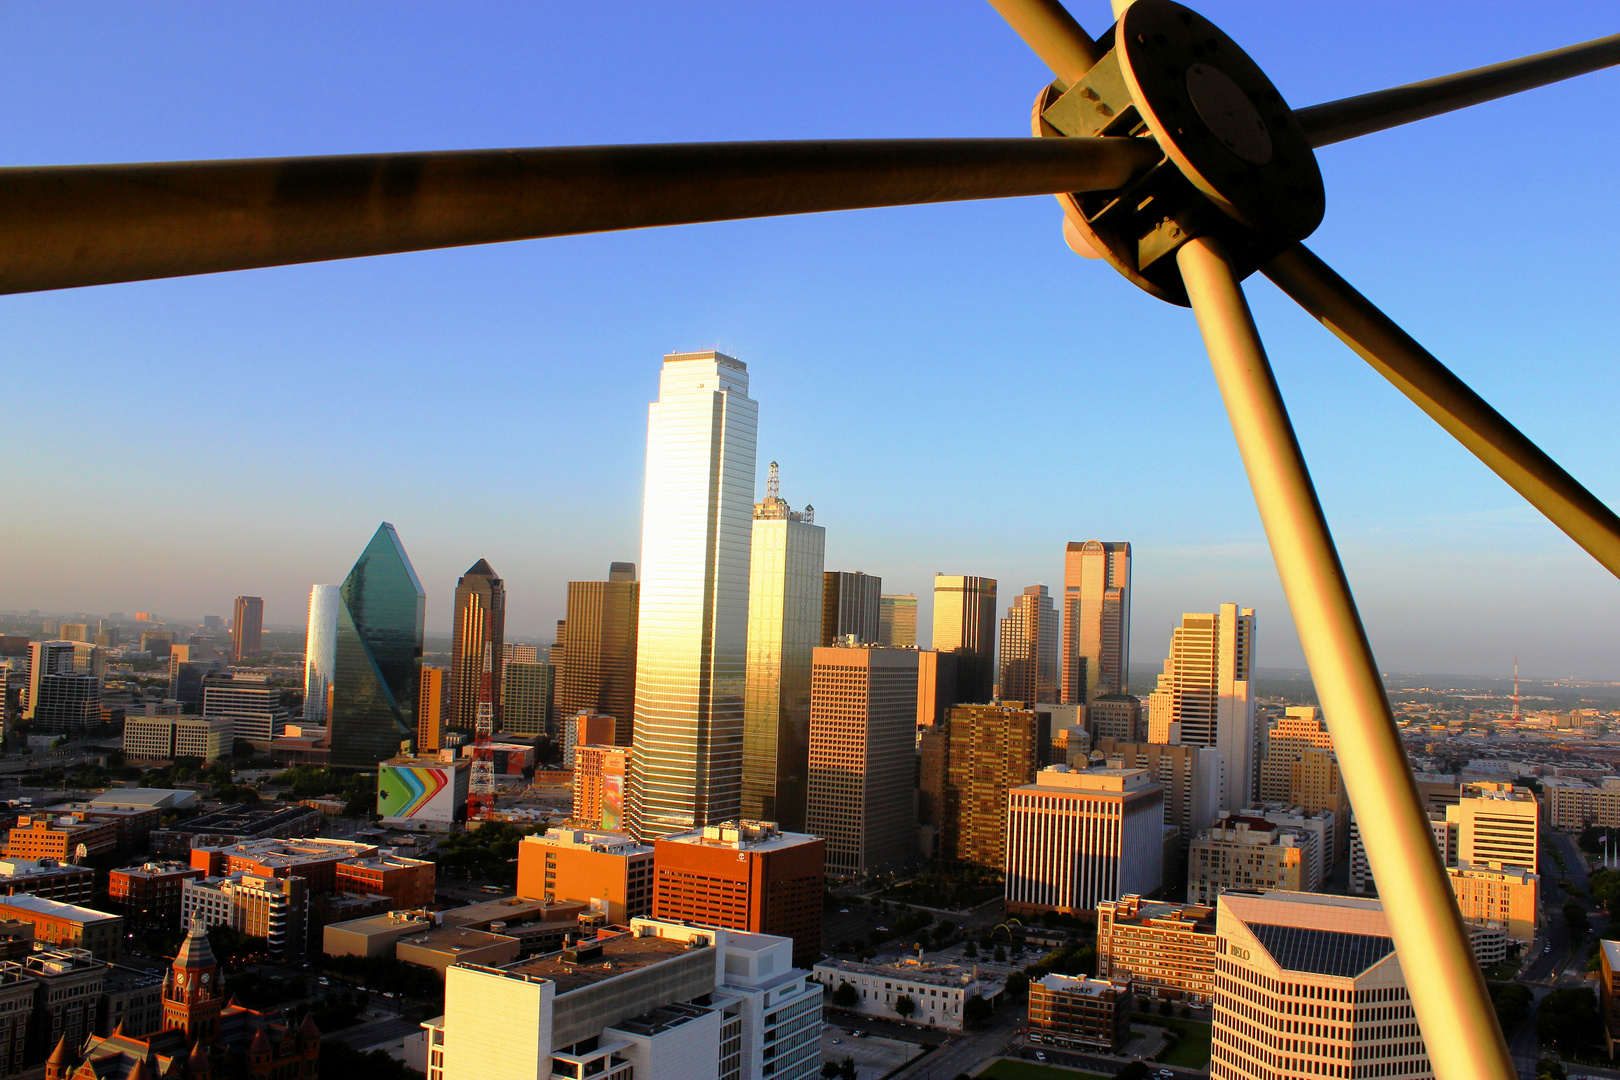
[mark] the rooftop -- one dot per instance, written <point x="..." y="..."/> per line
<point x="661" y="1019"/>
<point x="453" y="939"/>
<point x="1079" y="985"/>
<point x="512" y="909"/>
<point x="741" y="836"/>
<point x="952" y="975"/>
<point x="53" y="909"/>
<point x="1100" y="780"/>
<point x="595" y="961"/>
<point x="611" y="843"/>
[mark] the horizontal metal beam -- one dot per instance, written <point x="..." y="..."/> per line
<point x="1047" y="28"/>
<point x="1394" y="354"/>
<point x="1335" y="121"/>
<point x="73" y="225"/>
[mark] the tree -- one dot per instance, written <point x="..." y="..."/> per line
<point x="1568" y="1020"/>
<point x="971" y="951"/>
<point x="904" y="1006"/>
<point x="1165" y="1008"/>
<point x="846" y="1069"/>
<point x="1017" y="984"/>
<point x="1001" y="955"/>
<point x="1575" y="916"/>
<point x="829" y="1070"/>
<point x="975" y="1010"/>
<point x="1605" y="886"/>
<point x="846" y="996"/>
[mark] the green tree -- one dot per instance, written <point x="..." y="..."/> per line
<point x="970" y="950"/>
<point x="846" y="1068"/>
<point x="1165" y="1008"/>
<point x="1605" y="886"/>
<point x="829" y="1070"/>
<point x="1568" y="1020"/>
<point x="846" y="996"/>
<point x="1001" y="955"/>
<point x="1575" y="916"/>
<point x="975" y="1010"/>
<point x="1512" y="1002"/>
<point x="904" y="1006"/>
<point x="1017" y="984"/>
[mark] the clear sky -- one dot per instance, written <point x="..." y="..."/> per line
<point x="951" y="388"/>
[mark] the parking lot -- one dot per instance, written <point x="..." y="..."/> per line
<point x="874" y="1055"/>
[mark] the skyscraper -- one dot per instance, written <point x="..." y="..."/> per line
<point x="247" y="628"/>
<point x="526" y="691"/>
<point x="850" y="604"/>
<point x="897" y="620"/>
<point x="965" y="624"/>
<point x="692" y="636"/>
<point x="1096" y="620"/>
<point x="597" y="669"/>
<point x="476" y="646"/>
<point x="1204" y="689"/>
<point x="784" y="627"/>
<point x="430" y="695"/>
<point x="45" y="658"/>
<point x="983" y="752"/>
<point x="320" y="650"/>
<point x="379" y="652"/>
<point x="1029" y="648"/>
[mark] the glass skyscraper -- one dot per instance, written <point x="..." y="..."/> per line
<point x="784" y="628"/>
<point x="320" y="650"/>
<point x="692" y="637"/>
<point x="965" y="624"/>
<point x="476" y="646"/>
<point x="379" y="655"/>
<point x="1096" y="612"/>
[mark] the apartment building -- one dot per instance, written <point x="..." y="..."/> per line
<point x="276" y="909"/>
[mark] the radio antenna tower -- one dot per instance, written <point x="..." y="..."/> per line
<point x="773" y="483"/>
<point x="1516" y="714"/>
<point x="481" y="785"/>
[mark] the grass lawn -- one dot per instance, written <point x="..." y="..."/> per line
<point x="1005" y="1069"/>
<point x="1191" y="1050"/>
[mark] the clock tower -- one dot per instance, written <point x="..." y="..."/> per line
<point x="192" y="996"/>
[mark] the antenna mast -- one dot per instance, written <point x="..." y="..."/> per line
<point x="773" y="483"/>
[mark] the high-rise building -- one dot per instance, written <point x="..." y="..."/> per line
<point x="526" y="693"/>
<point x="1497" y="826"/>
<point x="1204" y="697"/>
<point x="1190" y="776"/>
<point x="1308" y="985"/>
<point x="475" y="647"/>
<point x="432" y="689"/>
<point x="247" y="628"/>
<point x="1096" y="620"/>
<point x="784" y="627"/>
<point x="850" y="606"/>
<point x="45" y="658"/>
<point x="744" y="875"/>
<point x="965" y="624"/>
<point x="692" y="634"/>
<point x="983" y="753"/>
<point x="605" y="870"/>
<point x="1116" y="716"/>
<point x="862" y="757"/>
<point x="897" y="620"/>
<point x="597" y="669"/>
<point x="936" y="686"/>
<point x="379" y="655"/>
<point x="74" y="631"/>
<point x="523" y="654"/>
<point x="249" y="702"/>
<point x="600" y="770"/>
<point x="320" y="650"/>
<point x="1246" y="853"/>
<point x="586" y="728"/>
<point x="156" y="643"/>
<point x="213" y="622"/>
<point x="1029" y="648"/>
<point x="1078" y="837"/>
<point x="1162" y="950"/>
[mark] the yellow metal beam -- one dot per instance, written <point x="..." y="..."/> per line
<point x="1052" y="33"/>
<point x="1448" y="994"/>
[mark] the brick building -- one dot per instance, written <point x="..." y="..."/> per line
<point x="41" y="836"/>
<point x="68" y="924"/>
<point x="575" y="865"/>
<point x="148" y="895"/>
<point x="1076" y="1011"/>
<point x="47" y="878"/>
<point x="408" y="883"/>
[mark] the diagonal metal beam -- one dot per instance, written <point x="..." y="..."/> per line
<point x="66" y="226"/>
<point x="1052" y="33"/>
<point x="1335" y="121"/>
<point x="1448" y="994"/>
<point x="1447" y="399"/>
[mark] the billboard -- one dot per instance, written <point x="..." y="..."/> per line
<point x="420" y="792"/>
<point x="612" y="802"/>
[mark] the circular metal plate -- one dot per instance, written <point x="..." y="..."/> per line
<point x="1220" y="119"/>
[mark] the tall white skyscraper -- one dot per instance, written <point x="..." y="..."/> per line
<point x="1096" y="611"/>
<point x="691" y="660"/>
<point x="1204" y="697"/>
<point x="784" y="628"/>
<point x="320" y="650"/>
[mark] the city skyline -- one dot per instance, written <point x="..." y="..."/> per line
<point x="920" y="326"/>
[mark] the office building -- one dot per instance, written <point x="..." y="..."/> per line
<point x="938" y="991"/>
<point x="600" y="773"/>
<point x="744" y="875"/>
<point x="1078" y="837"/>
<point x="1497" y="826"/>
<point x="1509" y="897"/>
<point x="313" y="859"/>
<point x="1281" y="957"/>
<point x="379" y="655"/>
<point x="1204" y="697"/>
<point x="1300" y="769"/>
<point x="48" y="879"/>
<point x="692" y="637"/>
<point x="74" y="631"/>
<point x="475" y="647"/>
<point x="131" y="998"/>
<point x="526" y="698"/>
<point x="981" y="754"/>
<point x="46" y="659"/>
<point x="1189" y="775"/>
<point x="936" y="686"/>
<point x="67" y="704"/>
<point x="320" y="650"/>
<point x="1573" y="805"/>
<point x="1116" y="716"/>
<point x="148" y="895"/>
<point x="274" y="908"/>
<point x="660" y="1001"/>
<point x="164" y="738"/>
<point x="523" y="654"/>
<point x="897" y="620"/>
<point x="408" y="883"/>
<point x="59" y="836"/>
<point x="1240" y="852"/>
<point x="597" y="669"/>
<point x="1029" y="648"/>
<point x="1080" y="1013"/>
<point x="850" y="604"/>
<point x="156" y="643"/>
<point x="67" y="1001"/>
<point x="249" y="702"/>
<point x="1160" y="950"/>
<point x="784" y="628"/>
<point x="965" y="624"/>
<point x="586" y="728"/>
<point x="1318" y="829"/>
<point x="189" y="665"/>
<point x="69" y="925"/>
<point x="1096" y="615"/>
<point x="862" y="758"/>
<point x="432" y="693"/>
<point x="247" y="628"/>
<point x="606" y="871"/>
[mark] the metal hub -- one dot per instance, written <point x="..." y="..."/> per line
<point x="1237" y="164"/>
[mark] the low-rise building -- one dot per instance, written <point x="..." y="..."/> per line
<point x="606" y="870"/>
<point x="1608" y="999"/>
<point x="1245" y="853"/>
<point x="274" y="908"/>
<point x="132" y="999"/>
<point x="408" y="882"/>
<point x="374" y="935"/>
<point x="236" y="825"/>
<point x="315" y="859"/>
<point x="148" y="895"/>
<point x="1161" y="950"/>
<point x="68" y="924"/>
<point x="1507" y="895"/>
<point x="166" y="738"/>
<point x="938" y="991"/>
<point x="1573" y="805"/>
<point x="134" y="824"/>
<point x="61" y="837"/>
<point x="442" y="946"/>
<point x="17" y="996"/>
<point x="1316" y="828"/>
<point x="67" y="998"/>
<point x="1081" y="1012"/>
<point x="47" y="878"/>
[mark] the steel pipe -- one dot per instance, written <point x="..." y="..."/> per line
<point x="1335" y="121"/>
<point x="1052" y="33"/>
<point x="66" y="226"/>
<point x="1469" y="419"/>
<point x="1448" y="993"/>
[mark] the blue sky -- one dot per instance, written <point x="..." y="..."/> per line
<point x="951" y="388"/>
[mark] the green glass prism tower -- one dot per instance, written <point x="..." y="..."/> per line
<point x="379" y="655"/>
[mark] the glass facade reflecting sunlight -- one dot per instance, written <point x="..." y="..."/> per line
<point x="320" y="650"/>
<point x="379" y="655"/>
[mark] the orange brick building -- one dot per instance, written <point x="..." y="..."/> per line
<point x="600" y="775"/>
<point x="579" y="866"/>
<point x="314" y="860"/>
<point x="68" y="924"/>
<point x="747" y="875"/>
<point x="43" y="836"/>
<point x="407" y="882"/>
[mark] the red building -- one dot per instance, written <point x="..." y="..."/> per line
<point x="148" y="896"/>
<point x="407" y="882"/>
<point x="745" y="875"/>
